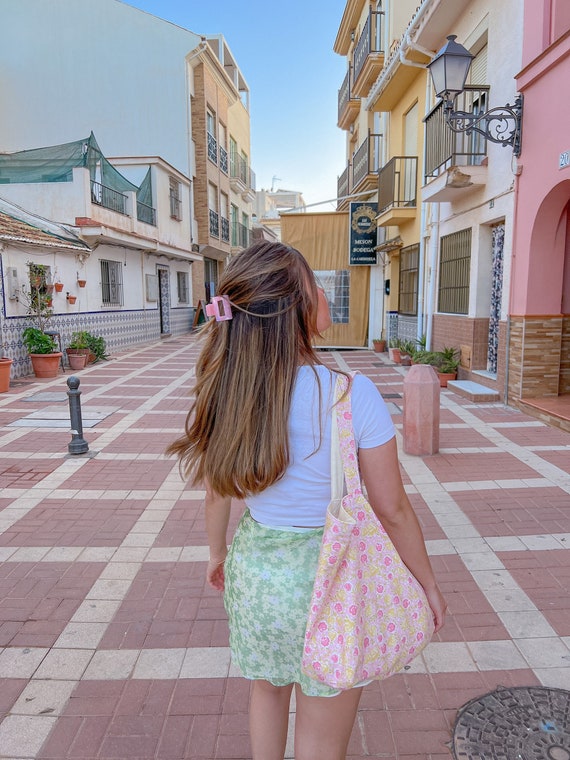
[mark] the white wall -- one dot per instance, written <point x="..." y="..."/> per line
<point x="94" y="65"/>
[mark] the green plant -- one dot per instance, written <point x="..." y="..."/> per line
<point x="37" y="299"/>
<point x="97" y="345"/>
<point x="37" y="342"/>
<point x="446" y="360"/>
<point x="80" y="340"/>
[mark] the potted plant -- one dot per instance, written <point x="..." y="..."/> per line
<point x="379" y="345"/>
<point x="70" y="299"/>
<point x="394" y="350"/>
<point x="58" y="286"/>
<point x="42" y="350"/>
<point x="83" y="342"/>
<point x="446" y="364"/>
<point x="5" y="368"/>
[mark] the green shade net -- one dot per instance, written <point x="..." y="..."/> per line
<point x="56" y="164"/>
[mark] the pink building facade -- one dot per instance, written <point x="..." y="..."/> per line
<point x="539" y="319"/>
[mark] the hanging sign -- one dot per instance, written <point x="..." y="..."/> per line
<point x="362" y="234"/>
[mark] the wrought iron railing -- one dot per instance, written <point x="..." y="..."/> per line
<point x="223" y="160"/>
<point x="343" y="183"/>
<point x="366" y="159"/>
<point x="240" y="235"/>
<point x="370" y="41"/>
<point x="108" y="198"/>
<point x="397" y="183"/>
<point x="444" y="148"/>
<point x="214" y="223"/>
<point x="146" y="213"/>
<point x="344" y="94"/>
<point x="243" y="235"/>
<point x="212" y="148"/>
<point x="225" y="229"/>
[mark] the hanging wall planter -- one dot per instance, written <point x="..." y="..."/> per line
<point x="82" y="283"/>
<point x="71" y="299"/>
<point x="58" y="287"/>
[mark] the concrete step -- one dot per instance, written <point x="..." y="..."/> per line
<point x="473" y="391"/>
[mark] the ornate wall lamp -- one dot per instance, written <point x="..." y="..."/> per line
<point x="449" y="71"/>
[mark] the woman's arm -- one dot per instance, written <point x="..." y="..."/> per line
<point x="380" y="472"/>
<point x="217" y="518"/>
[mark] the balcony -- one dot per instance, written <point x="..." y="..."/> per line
<point x="146" y="213"/>
<point x="223" y="160"/>
<point x="240" y="235"/>
<point x="108" y="198"/>
<point x="225" y="228"/>
<point x="212" y="148"/>
<point x="455" y="162"/>
<point x="365" y="164"/>
<point x="343" y="188"/>
<point x="242" y="178"/>
<point x="348" y="106"/>
<point x="214" y="223"/>
<point x="397" y="191"/>
<point x="368" y="57"/>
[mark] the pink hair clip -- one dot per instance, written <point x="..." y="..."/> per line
<point x="219" y="308"/>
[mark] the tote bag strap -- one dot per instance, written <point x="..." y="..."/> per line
<point x="337" y="474"/>
<point x="346" y="442"/>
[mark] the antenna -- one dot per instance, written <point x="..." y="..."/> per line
<point x="273" y="180"/>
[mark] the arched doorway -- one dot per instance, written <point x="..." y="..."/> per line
<point x="545" y="358"/>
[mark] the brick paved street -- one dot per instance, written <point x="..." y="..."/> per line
<point x="113" y="648"/>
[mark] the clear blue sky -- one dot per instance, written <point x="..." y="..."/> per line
<point x="285" y="54"/>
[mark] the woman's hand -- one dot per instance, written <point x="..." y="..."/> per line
<point x="215" y="573"/>
<point x="438" y="606"/>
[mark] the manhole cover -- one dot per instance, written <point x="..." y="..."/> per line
<point x="523" y="723"/>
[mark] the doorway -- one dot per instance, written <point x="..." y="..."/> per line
<point x="164" y="299"/>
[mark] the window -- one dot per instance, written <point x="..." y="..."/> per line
<point x="454" y="272"/>
<point x="210" y="278"/>
<point x="224" y="219"/>
<point x="408" y="292"/>
<point x="213" y="210"/>
<point x="234" y="224"/>
<point x="211" y="134"/>
<point x="111" y="283"/>
<point x="336" y="284"/>
<point x="183" y="292"/>
<point x="175" y="204"/>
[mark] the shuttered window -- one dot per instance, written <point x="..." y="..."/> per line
<point x="478" y="70"/>
<point x="454" y="272"/>
<point x="408" y="293"/>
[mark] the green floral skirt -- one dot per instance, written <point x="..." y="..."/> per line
<point x="269" y="576"/>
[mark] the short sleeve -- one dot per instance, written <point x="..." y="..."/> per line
<point x="371" y="419"/>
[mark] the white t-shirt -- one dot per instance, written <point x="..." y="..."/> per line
<point x="302" y="495"/>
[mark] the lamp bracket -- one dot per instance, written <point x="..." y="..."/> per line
<point x="502" y="125"/>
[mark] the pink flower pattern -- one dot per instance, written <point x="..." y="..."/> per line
<point x="369" y="635"/>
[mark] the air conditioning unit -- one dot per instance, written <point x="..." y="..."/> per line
<point x="12" y="284"/>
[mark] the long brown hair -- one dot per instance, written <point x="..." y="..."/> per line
<point x="236" y="431"/>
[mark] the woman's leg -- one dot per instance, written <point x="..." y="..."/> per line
<point x="268" y="720"/>
<point x="323" y="724"/>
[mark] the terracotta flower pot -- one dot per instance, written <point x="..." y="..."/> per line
<point x="82" y="283"/>
<point x="71" y="299"/>
<point x="77" y="361"/>
<point x="46" y="365"/>
<point x="395" y="355"/>
<point x="58" y="287"/>
<point x="444" y="377"/>
<point x="379" y="346"/>
<point x="5" y="367"/>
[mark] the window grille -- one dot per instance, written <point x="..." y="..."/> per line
<point x="182" y="279"/>
<point x="454" y="272"/>
<point x="175" y="204"/>
<point x="408" y="291"/>
<point x="111" y="283"/>
<point x="336" y="284"/>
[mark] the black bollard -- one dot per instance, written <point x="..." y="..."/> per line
<point x="78" y="444"/>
